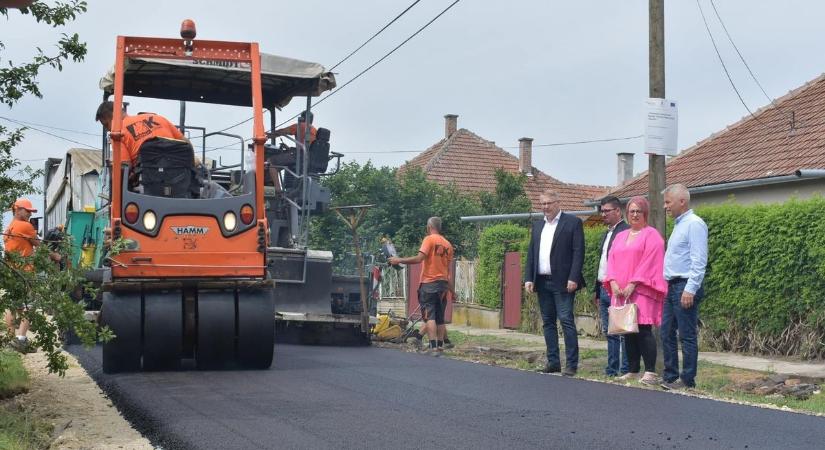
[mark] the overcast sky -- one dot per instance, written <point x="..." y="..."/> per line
<point x="556" y="71"/>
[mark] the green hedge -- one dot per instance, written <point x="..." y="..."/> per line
<point x="765" y="284"/>
<point x="494" y="242"/>
<point x="491" y="251"/>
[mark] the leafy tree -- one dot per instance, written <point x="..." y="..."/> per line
<point x="402" y="205"/>
<point x="509" y="196"/>
<point x="42" y="293"/>
<point x="355" y="184"/>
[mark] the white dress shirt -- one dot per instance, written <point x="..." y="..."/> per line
<point x="603" y="261"/>
<point x="546" y="244"/>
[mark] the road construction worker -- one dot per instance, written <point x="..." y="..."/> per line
<point x="436" y="253"/>
<point x="21" y="238"/>
<point x="137" y="129"/>
<point x="295" y="131"/>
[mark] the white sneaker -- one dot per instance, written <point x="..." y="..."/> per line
<point x="629" y="376"/>
<point x="650" y="379"/>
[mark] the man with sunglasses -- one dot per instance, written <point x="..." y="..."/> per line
<point x="611" y="212"/>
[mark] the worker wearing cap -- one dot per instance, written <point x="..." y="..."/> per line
<point x="20" y="237"/>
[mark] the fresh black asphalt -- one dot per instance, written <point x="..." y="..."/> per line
<point x="367" y="397"/>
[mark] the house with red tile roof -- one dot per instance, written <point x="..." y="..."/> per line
<point x="470" y="162"/>
<point x="771" y="156"/>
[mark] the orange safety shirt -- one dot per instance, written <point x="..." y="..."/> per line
<point x="438" y="253"/>
<point x="18" y="238"/>
<point x="142" y="127"/>
<point x="298" y="132"/>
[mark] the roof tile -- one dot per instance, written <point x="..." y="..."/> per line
<point x="778" y="139"/>
<point x="470" y="162"/>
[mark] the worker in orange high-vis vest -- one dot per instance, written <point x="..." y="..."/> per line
<point x="297" y="132"/>
<point x="20" y="237"/>
<point x="436" y="253"/>
<point x="138" y="129"/>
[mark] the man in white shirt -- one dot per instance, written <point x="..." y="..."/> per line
<point x="611" y="212"/>
<point x="554" y="270"/>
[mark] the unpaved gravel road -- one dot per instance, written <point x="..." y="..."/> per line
<point x="81" y="414"/>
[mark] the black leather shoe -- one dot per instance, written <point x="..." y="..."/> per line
<point x="550" y="369"/>
<point x="568" y="372"/>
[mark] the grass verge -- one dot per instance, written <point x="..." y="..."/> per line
<point x="18" y="429"/>
<point x="713" y="380"/>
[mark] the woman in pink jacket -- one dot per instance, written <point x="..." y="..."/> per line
<point x="635" y="275"/>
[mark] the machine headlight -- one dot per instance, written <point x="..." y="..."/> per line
<point x="150" y="220"/>
<point x="230" y="221"/>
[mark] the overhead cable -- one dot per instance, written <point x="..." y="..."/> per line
<point x="346" y="57"/>
<point x="739" y="53"/>
<point x="48" y="133"/>
<point x="376" y="62"/>
<point x="719" y="55"/>
<point x="374" y="35"/>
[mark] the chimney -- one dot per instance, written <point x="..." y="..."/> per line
<point x="525" y="155"/>
<point x="625" y="167"/>
<point x="450" y="125"/>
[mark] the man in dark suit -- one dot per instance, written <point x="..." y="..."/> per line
<point x="611" y="212"/>
<point x="554" y="270"/>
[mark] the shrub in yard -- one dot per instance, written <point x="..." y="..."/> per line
<point x="494" y="242"/>
<point x="765" y="283"/>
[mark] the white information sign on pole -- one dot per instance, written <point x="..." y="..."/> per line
<point x="661" y="126"/>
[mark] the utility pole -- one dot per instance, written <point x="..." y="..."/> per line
<point x="656" y="163"/>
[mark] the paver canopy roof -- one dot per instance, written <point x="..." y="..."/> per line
<point x="226" y="83"/>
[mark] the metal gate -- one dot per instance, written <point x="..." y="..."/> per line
<point x="511" y="290"/>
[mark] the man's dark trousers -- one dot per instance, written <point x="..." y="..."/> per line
<point x="615" y="344"/>
<point x="555" y="304"/>
<point x="676" y="318"/>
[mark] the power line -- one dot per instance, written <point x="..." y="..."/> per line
<point x="555" y="144"/>
<point x="374" y="35"/>
<point x="345" y="58"/>
<point x="376" y="62"/>
<point x="388" y="54"/>
<point x="724" y="67"/>
<point x="50" y="134"/>
<point x="25" y="123"/>
<point x="738" y="52"/>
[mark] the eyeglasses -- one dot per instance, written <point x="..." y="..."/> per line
<point x="608" y="210"/>
<point x="633" y="212"/>
<point x="548" y="203"/>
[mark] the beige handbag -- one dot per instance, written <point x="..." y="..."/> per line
<point x="622" y="319"/>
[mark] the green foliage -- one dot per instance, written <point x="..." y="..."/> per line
<point x="509" y="196"/>
<point x="585" y="303"/>
<point x="402" y="205"/>
<point x="17" y="80"/>
<point x="41" y="294"/>
<point x="20" y="430"/>
<point x="494" y="242"/>
<point x="765" y="281"/>
<point x="13" y="376"/>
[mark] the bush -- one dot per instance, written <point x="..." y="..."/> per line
<point x="494" y="242"/>
<point x="765" y="283"/>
